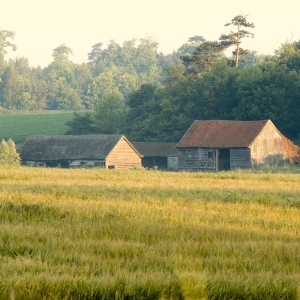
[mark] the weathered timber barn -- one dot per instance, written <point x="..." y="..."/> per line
<point x="81" y="151"/>
<point x="217" y="145"/>
<point x="162" y="155"/>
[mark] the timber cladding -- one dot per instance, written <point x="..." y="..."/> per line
<point x="123" y="156"/>
<point x="269" y="148"/>
<point x="83" y="151"/>
<point x="217" y="145"/>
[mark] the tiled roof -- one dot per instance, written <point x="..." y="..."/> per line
<point x="156" y="149"/>
<point x="221" y="134"/>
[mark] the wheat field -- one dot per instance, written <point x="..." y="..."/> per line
<point x="146" y="234"/>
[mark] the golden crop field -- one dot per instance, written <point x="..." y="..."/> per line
<point x="146" y="234"/>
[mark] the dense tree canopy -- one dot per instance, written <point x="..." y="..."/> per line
<point x="270" y="92"/>
<point x="133" y="89"/>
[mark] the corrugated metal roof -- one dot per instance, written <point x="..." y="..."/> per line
<point x="156" y="149"/>
<point x="69" y="147"/>
<point x="222" y="133"/>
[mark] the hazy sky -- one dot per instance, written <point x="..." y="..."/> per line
<point x="42" y="25"/>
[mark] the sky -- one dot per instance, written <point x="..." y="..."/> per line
<point x="42" y="25"/>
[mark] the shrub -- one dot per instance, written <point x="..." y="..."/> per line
<point x="8" y="153"/>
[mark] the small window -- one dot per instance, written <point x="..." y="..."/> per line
<point x="100" y="164"/>
<point x="184" y="152"/>
<point x="111" y="167"/>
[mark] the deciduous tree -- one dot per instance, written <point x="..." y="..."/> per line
<point x="289" y="55"/>
<point x="82" y="123"/>
<point x="8" y="153"/>
<point x="101" y="85"/>
<point x="5" y="42"/>
<point x="110" y="114"/>
<point x="270" y="91"/>
<point x="216" y="90"/>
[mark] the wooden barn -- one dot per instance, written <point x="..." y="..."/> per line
<point x="81" y="151"/>
<point x="162" y="155"/>
<point x="217" y="145"/>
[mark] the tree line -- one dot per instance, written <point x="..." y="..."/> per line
<point x="134" y="90"/>
<point x="206" y="84"/>
<point x="64" y="85"/>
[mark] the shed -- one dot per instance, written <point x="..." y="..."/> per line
<point x="217" y="145"/>
<point x="163" y="155"/>
<point x="84" y="151"/>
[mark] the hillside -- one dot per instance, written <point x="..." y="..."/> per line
<point x="20" y="125"/>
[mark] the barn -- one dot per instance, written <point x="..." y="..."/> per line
<point x="216" y="145"/>
<point x="80" y="151"/>
<point x="162" y="155"/>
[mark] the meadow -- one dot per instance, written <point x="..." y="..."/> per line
<point x="20" y="125"/>
<point x="147" y="234"/>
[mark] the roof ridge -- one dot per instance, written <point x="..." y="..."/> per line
<point x="222" y="133"/>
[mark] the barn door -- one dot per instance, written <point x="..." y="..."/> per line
<point x="212" y="161"/>
<point x="224" y="159"/>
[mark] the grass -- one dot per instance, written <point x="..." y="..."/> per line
<point x="20" y="125"/>
<point x="137" y="234"/>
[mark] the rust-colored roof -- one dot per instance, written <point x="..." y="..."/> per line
<point x="221" y="133"/>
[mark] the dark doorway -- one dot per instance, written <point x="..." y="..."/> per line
<point x="224" y="159"/>
<point x="152" y="161"/>
<point x="58" y="164"/>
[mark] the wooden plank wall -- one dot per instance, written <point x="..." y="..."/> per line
<point x="240" y="158"/>
<point x="123" y="157"/>
<point x="268" y="149"/>
<point x="197" y="159"/>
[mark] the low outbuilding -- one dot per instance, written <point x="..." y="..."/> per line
<point x="162" y="155"/>
<point x="216" y="145"/>
<point x="81" y="151"/>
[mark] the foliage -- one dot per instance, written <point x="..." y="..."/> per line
<point x="131" y="58"/>
<point x="234" y="38"/>
<point x="203" y="57"/>
<point x="8" y="153"/>
<point x="82" y="123"/>
<point x="289" y="55"/>
<point x="64" y="85"/>
<point x="270" y="91"/>
<point x="61" y="53"/>
<point x="137" y="234"/>
<point x="101" y="85"/>
<point x="217" y="90"/>
<point x="96" y="51"/>
<point x="143" y="109"/>
<point x="110" y="114"/>
<point x="5" y="42"/>
<point x="162" y="94"/>
<point x="174" y="107"/>
<point x="61" y="81"/>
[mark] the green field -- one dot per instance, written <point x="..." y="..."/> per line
<point x="145" y="234"/>
<point x="20" y="125"/>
